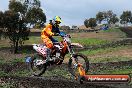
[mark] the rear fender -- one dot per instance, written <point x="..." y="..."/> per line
<point x="40" y="49"/>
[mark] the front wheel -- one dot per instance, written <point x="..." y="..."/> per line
<point x="77" y="63"/>
<point x="37" y="65"/>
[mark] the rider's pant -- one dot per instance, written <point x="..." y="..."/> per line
<point x="47" y="42"/>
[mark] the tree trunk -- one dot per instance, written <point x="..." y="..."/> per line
<point x="16" y="47"/>
<point x="0" y="33"/>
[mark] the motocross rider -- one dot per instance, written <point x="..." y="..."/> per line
<point x="50" y="30"/>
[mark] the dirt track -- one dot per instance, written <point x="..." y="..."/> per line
<point x="54" y="82"/>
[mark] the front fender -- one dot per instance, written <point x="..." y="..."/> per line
<point x="77" y="45"/>
<point x="35" y="47"/>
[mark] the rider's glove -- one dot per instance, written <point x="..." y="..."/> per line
<point x="56" y="34"/>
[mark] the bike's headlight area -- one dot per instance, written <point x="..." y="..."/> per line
<point x="68" y="40"/>
<point x="35" y="47"/>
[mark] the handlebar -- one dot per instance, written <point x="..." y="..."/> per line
<point x="63" y="34"/>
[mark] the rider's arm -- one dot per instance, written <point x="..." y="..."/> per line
<point x="58" y="30"/>
<point x="48" y="30"/>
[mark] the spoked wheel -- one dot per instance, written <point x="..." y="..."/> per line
<point x="78" y="65"/>
<point x="38" y="66"/>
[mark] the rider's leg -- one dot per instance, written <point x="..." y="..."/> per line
<point x="58" y="52"/>
<point x="53" y="40"/>
<point x="49" y="49"/>
<point x="49" y="46"/>
<point x="57" y="48"/>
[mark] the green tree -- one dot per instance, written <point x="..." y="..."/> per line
<point x="114" y="19"/>
<point x="15" y="22"/>
<point x="92" y="22"/>
<point x="64" y="27"/>
<point x="31" y="3"/>
<point x="99" y="17"/>
<point x="126" y="17"/>
<point x="31" y="10"/>
<point x="86" y="23"/>
<point x="16" y="6"/>
<point x="15" y="29"/>
<point x="1" y="23"/>
<point x="108" y="15"/>
<point x="1" y="19"/>
<point x="35" y="16"/>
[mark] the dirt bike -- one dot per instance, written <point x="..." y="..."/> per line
<point x="78" y="63"/>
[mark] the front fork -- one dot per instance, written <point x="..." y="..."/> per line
<point x="81" y="70"/>
<point x="78" y="66"/>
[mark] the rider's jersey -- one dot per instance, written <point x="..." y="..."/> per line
<point x="49" y="30"/>
<point x="55" y="29"/>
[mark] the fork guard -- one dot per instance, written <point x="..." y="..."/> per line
<point x="81" y="70"/>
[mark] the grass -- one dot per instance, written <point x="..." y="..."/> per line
<point x="57" y="72"/>
<point x="2" y="73"/>
<point x="118" y="71"/>
<point x="115" y="30"/>
<point x="8" y="85"/>
<point x="84" y="41"/>
<point x="17" y="60"/>
<point x="104" y="55"/>
<point x="22" y="73"/>
<point x="4" y="43"/>
<point x="18" y="72"/>
<point x="32" y="40"/>
<point x="109" y="59"/>
<point x="89" y="41"/>
<point x="12" y="61"/>
<point x="2" y="61"/>
<point x="105" y="50"/>
<point x="125" y="70"/>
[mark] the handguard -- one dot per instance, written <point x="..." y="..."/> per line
<point x="56" y="34"/>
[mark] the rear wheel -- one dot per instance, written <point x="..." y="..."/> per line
<point x="73" y="65"/>
<point x="37" y="65"/>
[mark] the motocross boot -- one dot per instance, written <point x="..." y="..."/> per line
<point x="57" y="52"/>
<point x="48" y="53"/>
